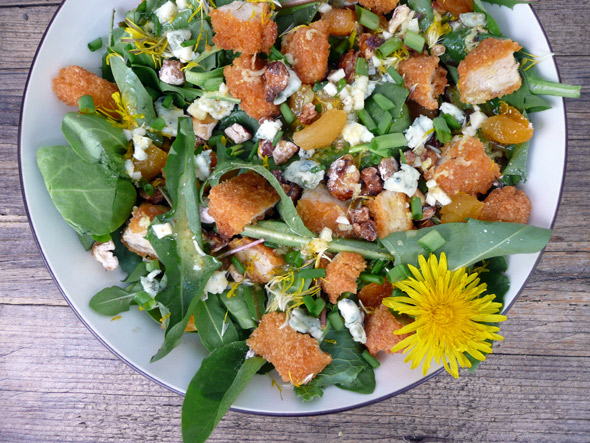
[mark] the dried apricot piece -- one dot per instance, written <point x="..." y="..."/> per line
<point x="340" y="21"/>
<point x="509" y="127"/>
<point x="462" y="206"/>
<point x="322" y="132"/>
<point x="455" y="7"/>
<point x="154" y="163"/>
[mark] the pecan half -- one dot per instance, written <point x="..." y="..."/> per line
<point x="387" y="167"/>
<point x="237" y="133"/>
<point x="348" y="63"/>
<point x="283" y="151"/>
<point x="265" y="148"/>
<point x="308" y="114"/>
<point x="368" y="43"/>
<point x="343" y="178"/>
<point x="372" y="184"/>
<point x="366" y="230"/>
<point x="171" y="72"/>
<point x="276" y="79"/>
<point x="293" y="190"/>
<point x="359" y="215"/>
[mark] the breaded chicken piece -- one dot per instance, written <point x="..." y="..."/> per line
<point x="391" y="212"/>
<point x="134" y="235"/>
<point x="373" y="294"/>
<point x="464" y="167"/>
<point x="244" y="81"/>
<point x="239" y="201"/>
<point x="380" y="327"/>
<point x="319" y="209"/>
<point x="340" y="21"/>
<point x="506" y="205"/>
<point x="341" y="274"/>
<point x="380" y="6"/>
<point x="73" y="82"/>
<point x="489" y="71"/>
<point x="244" y="27"/>
<point x="425" y="79"/>
<point x="261" y="262"/>
<point x="297" y="357"/>
<point x="309" y="48"/>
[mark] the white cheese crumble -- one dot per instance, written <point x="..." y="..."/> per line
<point x="473" y="19"/>
<point x="130" y="170"/>
<point x="166" y="12"/>
<point x="269" y="129"/>
<point x="326" y="234"/>
<point x="300" y="172"/>
<point x="140" y="144"/>
<point x="306" y="154"/>
<point x="414" y="26"/>
<point x="175" y="41"/>
<point x="324" y="7"/>
<point x="207" y="104"/>
<point x="217" y="283"/>
<point x="405" y="180"/>
<point x="355" y="133"/>
<point x="330" y="89"/>
<point x="292" y="87"/>
<point x="436" y="194"/>
<point x="336" y="76"/>
<point x="182" y="4"/>
<point x="475" y="121"/>
<point x="170" y="116"/>
<point x="453" y="111"/>
<point x="420" y="132"/>
<point x="162" y="230"/>
<point x="150" y="284"/>
<point x="353" y="319"/>
<point x="203" y="165"/>
<point x="305" y="324"/>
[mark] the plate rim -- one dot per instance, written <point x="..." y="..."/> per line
<point x="243" y="410"/>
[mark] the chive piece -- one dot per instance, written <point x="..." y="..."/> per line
<point x="168" y="101"/>
<point x="370" y="359"/>
<point x="275" y="55"/>
<point x="367" y="18"/>
<point x="396" y="140"/>
<point x="416" y="205"/>
<point x="287" y="113"/>
<point x="452" y="122"/>
<point x="158" y="124"/>
<point x="443" y="133"/>
<point x="390" y="46"/>
<point x="399" y="272"/>
<point x="384" y="123"/>
<point x="335" y="320"/>
<point x="378" y="267"/>
<point x="319" y="86"/>
<point x="414" y="41"/>
<point x="341" y="84"/>
<point x="294" y="258"/>
<point x="86" y="104"/>
<point x="188" y="43"/>
<point x="402" y="157"/>
<point x="320" y="304"/>
<point x="370" y="278"/>
<point x="197" y="78"/>
<point x="271" y="245"/>
<point x="367" y="120"/>
<point x="277" y="138"/>
<point x="254" y="151"/>
<point x="318" y="108"/>
<point x="95" y="45"/>
<point x="397" y="78"/>
<point x="149" y="189"/>
<point x="432" y="241"/>
<point x="236" y="150"/>
<point x="310" y="304"/>
<point x="361" y="67"/>
<point x="311" y="273"/>
<point x="383" y="102"/>
<point x="102" y="238"/>
<point x="238" y="264"/>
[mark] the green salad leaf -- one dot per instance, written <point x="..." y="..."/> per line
<point x="215" y="327"/>
<point x="516" y="169"/>
<point x="246" y="305"/>
<point x="491" y="24"/>
<point x="223" y="375"/>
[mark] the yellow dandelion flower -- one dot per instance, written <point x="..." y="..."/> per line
<point x="452" y="317"/>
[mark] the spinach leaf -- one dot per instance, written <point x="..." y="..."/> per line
<point x="90" y="199"/>
<point x="290" y="18"/>
<point x="516" y="169"/>
<point x="86" y="240"/>
<point x="509" y="3"/>
<point x="188" y="268"/>
<point x="139" y="271"/>
<point x="347" y="364"/>
<point x="96" y="140"/>
<point x="223" y="375"/>
<point x="523" y="99"/>
<point x="246" y="306"/>
<point x="138" y="101"/>
<point x="454" y="42"/>
<point x="468" y="243"/>
<point x="128" y="260"/>
<point x="397" y="94"/>
<point x="251" y="124"/>
<point x="285" y="206"/>
<point x="215" y="328"/>
<point x="111" y="301"/>
<point x="492" y="25"/>
<point x="182" y="96"/>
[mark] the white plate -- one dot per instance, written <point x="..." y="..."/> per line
<point x="135" y="337"/>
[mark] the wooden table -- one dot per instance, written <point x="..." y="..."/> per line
<point x="58" y="383"/>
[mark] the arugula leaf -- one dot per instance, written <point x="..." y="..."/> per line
<point x="509" y="3"/>
<point x="215" y="328"/>
<point x="188" y="268"/>
<point x="182" y="96"/>
<point x="111" y="301"/>
<point x="90" y="199"/>
<point x="246" y="306"/>
<point x="468" y="243"/>
<point x="492" y="25"/>
<point x="223" y="375"/>
<point x="289" y="18"/>
<point x="516" y="169"/>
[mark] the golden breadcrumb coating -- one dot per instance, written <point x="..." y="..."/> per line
<point x="464" y="167"/>
<point x="239" y="201"/>
<point x="261" y="262"/>
<point x="506" y="205"/>
<point x="244" y="81"/>
<point x="391" y="212"/>
<point x="73" y="82"/>
<point x="244" y="27"/>
<point x="340" y="21"/>
<point x="380" y="6"/>
<point x="309" y="47"/>
<point x="425" y="79"/>
<point x="373" y="294"/>
<point x="489" y="71"/>
<point x="342" y="273"/>
<point x="297" y="357"/>
<point x="380" y="327"/>
<point x="319" y="209"/>
<point x="133" y="236"/>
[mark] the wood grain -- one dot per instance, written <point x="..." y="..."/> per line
<point x="58" y="383"/>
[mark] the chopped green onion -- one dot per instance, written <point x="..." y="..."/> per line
<point x="397" y="78"/>
<point x="378" y="267"/>
<point x="294" y="258"/>
<point x="277" y="138"/>
<point x="271" y="245"/>
<point x="188" y="43"/>
<point x="275" y="55"/>
<point x="383" y="102"/>
<point x="414" y="41"/>
<point x="158" y="124"/>
<point x="390" y="46"/>
<point x="370" y="359"/>
<point x="367" y="18"/>
<point x="318" y="108"/>
<point x="319" y="86"/>
<point x="402" y="157"/>
<point x="341" y="84"/>
<point x="197" y="78"/>
<point x="335" y="320"/>
<point x="361" y="67"/>
<point x="95" y="45"/>
<point x="168" y="101"/>
<point x="238" y="264"/>
<point x="287" y="113"/>
<point x="384" y="123"/>
<point x="102" y="238"/>
<point x="309" y="304"/>
<point x="399" y="272"/>
<point x="149" y="189"/>
<point x="416" y="206"/>
<point x="443" y="133"/>
<point x="311" y="273"/>
<point x="367" y="120"/>
<point x="254" y="151"/>
<point x="432" y="241"/>
<point x="370" y="278"/>
<point x="388" y="141"/>
<point x="451" y="121"/>
<point x="86" y="104"/>
<point x="236" y="150"/>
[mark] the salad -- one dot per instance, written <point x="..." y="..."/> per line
<point x="309" y="186"/>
